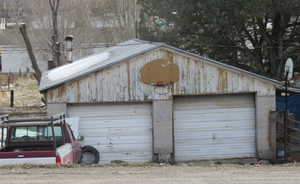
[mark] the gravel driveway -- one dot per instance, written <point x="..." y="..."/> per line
<point x="183" y="174"/>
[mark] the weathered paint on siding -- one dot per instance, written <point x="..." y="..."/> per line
<point x="122" y="83"/>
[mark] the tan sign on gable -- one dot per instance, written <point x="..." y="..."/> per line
<point x="160" y="72"/>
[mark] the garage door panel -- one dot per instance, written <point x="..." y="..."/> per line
<point x="117" y="139"/>
<point x="232" y="150"/>
<point x="213" y="136"/>
<point x="112" y="117"/>
<point x="210" y="149"/>
<point x="208" y="142"/>
<point x="212" y="154"/>
<point x="118" y="131"/>
<point x="198" y="119"/>
<point x="224" y="130"/>
<point x="223" y="115"/>
<point x="217" y="131"/>
<point x="216" y="110"/>
<point x="125" y="156"/>
<point x="214" y="125"/>
<point x="94" y="133"/>
<point x="104" y="140"/>
<point x="213" y="129"/>
<point x="115" y="124"/>
<point x="134" y="149"/>
<point x="119" y="148"/>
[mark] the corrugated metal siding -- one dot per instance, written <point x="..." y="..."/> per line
<point x="119" y="132"/>
<point x="211" y="127"/>
<point x="121" y="82"/>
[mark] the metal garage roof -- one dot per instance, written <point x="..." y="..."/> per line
<point x="113" y="55"/>
<point x="108" y="57"/>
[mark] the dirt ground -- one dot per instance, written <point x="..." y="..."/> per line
<point x="182" y="174"/>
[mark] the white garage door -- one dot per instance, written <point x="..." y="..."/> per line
<point x="212" y="127"/>
<point x="119" y="132"/>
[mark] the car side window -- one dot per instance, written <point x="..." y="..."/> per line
<point x="24" y="134"/>
<point x="36" y="133"/>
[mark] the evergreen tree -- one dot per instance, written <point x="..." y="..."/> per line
<point x="258" y="35"/>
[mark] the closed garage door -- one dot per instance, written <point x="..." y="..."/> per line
<point x="214" y="127"/>
<point x="119" y="132"/>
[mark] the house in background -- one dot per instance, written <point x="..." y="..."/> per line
<point x="15" y="59"/>
<point x="94" y="26"/>
<point x="144" y="101"/>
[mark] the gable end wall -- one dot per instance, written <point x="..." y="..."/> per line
<point x="121" y="82"/>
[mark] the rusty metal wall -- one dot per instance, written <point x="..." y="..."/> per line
<point x="122" y="83"/>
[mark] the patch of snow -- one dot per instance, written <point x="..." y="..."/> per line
<point x="77" y="66"/>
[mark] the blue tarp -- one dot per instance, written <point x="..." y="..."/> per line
<point x="293" y="104"/>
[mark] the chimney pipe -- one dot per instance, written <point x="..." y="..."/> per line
<point x="69" y="48"/>
<point x="51" y="64"/>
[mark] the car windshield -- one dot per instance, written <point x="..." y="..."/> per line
<point x="35" y="133"/>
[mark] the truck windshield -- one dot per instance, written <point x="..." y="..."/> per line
<point x="35" y="133"/>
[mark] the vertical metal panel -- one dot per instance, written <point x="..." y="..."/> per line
<point x="118" y="131"/>
<point x="211" y="127"/>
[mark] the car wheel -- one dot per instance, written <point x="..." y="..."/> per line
<point x="89" y="155"/>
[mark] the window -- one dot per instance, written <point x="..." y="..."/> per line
<point x="21" y="132"/>
<point x="35" y="133"/>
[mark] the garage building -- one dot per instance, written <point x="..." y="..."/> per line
<point x="144" y="101"/>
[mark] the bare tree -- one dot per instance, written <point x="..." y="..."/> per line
<point x="91" y="22"/>
<point x="54" y="7"/>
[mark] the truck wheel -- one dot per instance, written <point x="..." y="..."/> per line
<point x="89" y="155"/>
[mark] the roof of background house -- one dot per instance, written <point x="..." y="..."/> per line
<point x="117" y="54"/>
<point x="289" y="89"/>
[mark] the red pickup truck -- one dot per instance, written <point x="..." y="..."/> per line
<point x="38" y="141"/>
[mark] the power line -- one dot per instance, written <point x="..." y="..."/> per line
<point x="105" y="45"/>
<point x="109" y="45"/>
